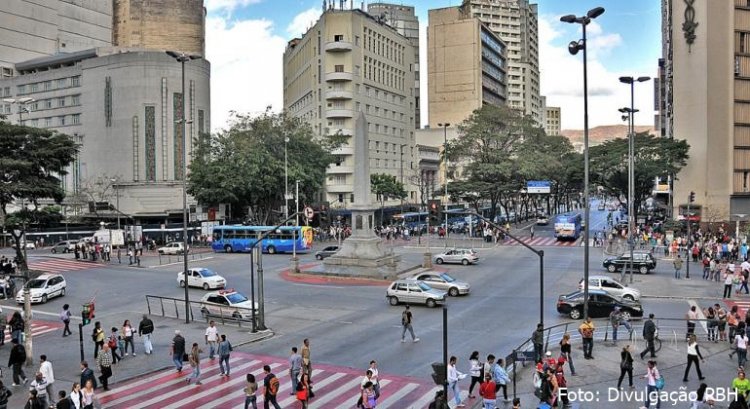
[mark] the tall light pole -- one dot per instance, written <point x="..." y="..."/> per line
<point x="574" y="47"/>
<point x="286" y="178"/>
<point x="21" y="102"/>
<point x="402" y="174"/>
<point x="182" y="58"/>
<point x="445" y="171"/>
<point x="117" y="202"/>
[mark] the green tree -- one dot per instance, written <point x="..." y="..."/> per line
<point x="386" y="187"/>
<point x="244" y="165"/>
<point x="31" y="163"/>
<point x="654" y="157"/>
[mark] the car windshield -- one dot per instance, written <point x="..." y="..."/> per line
<point x="447" y="278"/>
<point x="424" y="286"/>
<point x="36" y="284"/>
<point x="207" y="273"/>
<point x="236" y="298"/>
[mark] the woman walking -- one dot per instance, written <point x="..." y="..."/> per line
<point x="251" y="387"/>
<point x="195" y="361"/>
<point x="475" y="370"/>
<point x="127" y="335"/>
<point x="693" y="353"/>
<point x="88" y="395"/>
<point x="368" y="396"/>
<point x="652" y="376"/>
<point x="713" y="323"/>
<point x="626" y="367"/>
<point x="303" y="389"/>
<point x="487" y="392"/>
<point x="565" y="349"/>
<point x="740" y="341"/>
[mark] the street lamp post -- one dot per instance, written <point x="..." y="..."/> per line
<point x="117" y="200"/>
<point x="182" y="58"/>
<point x="631" y="163"/>
<point x="286" y="178"/>
<point x="573" y="48"/>
<point x="445" y="171"/>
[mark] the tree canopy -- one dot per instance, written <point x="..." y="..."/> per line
<point x="244" y="165"/>
<point x="386" y="187"/>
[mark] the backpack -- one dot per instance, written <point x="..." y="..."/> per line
<point x="273" y="386"/>
<point x="112" y="343"/>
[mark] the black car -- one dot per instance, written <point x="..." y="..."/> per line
<point x="600" y="305"/>
<point x="643" y="262"/>
<point x="326" y="252"/>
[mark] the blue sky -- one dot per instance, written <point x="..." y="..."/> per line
<point x="246" y="39"/>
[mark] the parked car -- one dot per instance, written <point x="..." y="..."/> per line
<point x="542" y="220"/>
<point x="26" y="245"/>
<point x="65" y="246"/>
<point x="326" y="252"/>
<point x="463" y="256"/>
<point x="43" y="288"/>
<point x="643" y="262"/>
<point x="445" y="282"/>
<point x="227" y="303"/>
<point x="611" y="286"/>
<point x="173" y="248"/>
<point x="201" y="277"/>
<point x="411" y="291"/>
<point x="600" y="305"/>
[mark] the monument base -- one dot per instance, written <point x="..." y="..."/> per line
<point x="362" y="257"/>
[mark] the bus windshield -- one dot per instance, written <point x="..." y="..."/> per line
<point x="568" y="226"/>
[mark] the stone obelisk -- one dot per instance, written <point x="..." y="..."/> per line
<point x="361" y="254"/>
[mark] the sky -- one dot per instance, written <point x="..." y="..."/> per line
<point x="245" y="42"/>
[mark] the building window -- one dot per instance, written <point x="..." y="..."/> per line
<point x="339" y="68"/>
<point x="107" y="101"/>
<point x="338" y="37"/>
<point x="341" y="198"/>
<point x="61" y="120"/>
<point x="75" y="100"/>
<point x="61" y="102"/>
<point x="34" y="87"/>
<point x="150" y="131"/>
<point x="76" y="119"/>
<point x="48" y="104"/>
<point x="62" y="83"/>
<point x="7" y="72"/>
<point x="47" y="85"/>
<point x="76" y="81"/>
<point x="47" y="122"/>
<point x="177" y="106"/>
<point x="6" y="91"/>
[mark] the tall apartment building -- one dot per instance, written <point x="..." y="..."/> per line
<point x="406" y="23"/>
<point x="466" y="66"/>
<point x="351" y="62"/>
<point x="552" y="120"/>
<point x="516" y="23"/>
<point x="32" y="28"/>
<point x="710" y="87"/>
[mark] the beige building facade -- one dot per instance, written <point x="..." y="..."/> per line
<point x="552" y="120"/>
<point x="347" y="63"/>
<point x="466" y="66"/>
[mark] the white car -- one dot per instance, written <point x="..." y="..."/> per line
<point x="172" y="248"/>
<point x="462" y="256"/>
<point x="43" y="288"/>
<point x="228" y="304"/>
<point x="612" y="286"/>
<point x="27" y="245"/>
<point x="201" y="277"/>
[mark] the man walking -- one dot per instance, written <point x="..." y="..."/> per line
<point x="39" y="385"/>
<point x="177" y="350"/>
<point x="690" y="317"/>
<point x="212" y="338"/>
<point x="306" y="362"/>
<point x="406" y="319"/>
<point x="45" y="368"/>
<point x="616" y="319"/>
<point x="587" y="334"/>
<point x="104" y="361"/>
<point x="145" y="329"/>
<point x="16" y="360"/>
<point x="295" y="366"/>
<point x="224" y="350"/>
<point x="537" y="337"/>
<point x="65" y="318"/>
<point x="270" y="388"/>
<point x="677" y="263"/>
<point x="649" y="334"/>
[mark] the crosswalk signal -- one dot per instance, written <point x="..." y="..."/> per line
<point x="87" y="313"/>
<point x="438" y="373"/>
<point x="434" y="209"/>
<point x="691" y="198"/>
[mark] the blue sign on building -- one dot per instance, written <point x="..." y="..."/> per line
<point x="538" y="186"/>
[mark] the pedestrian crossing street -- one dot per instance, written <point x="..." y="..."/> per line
<point x="542" y="241"/>
<point x="334" y="387"/>
<point x="57" y="265"/>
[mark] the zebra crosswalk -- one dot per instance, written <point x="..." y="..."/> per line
<point x="742" y="305"/>
<point x="334" y="387"/>
<point x="39" y="328"/>
<point x="542" y="241"/>
<point x="58" y="265"/>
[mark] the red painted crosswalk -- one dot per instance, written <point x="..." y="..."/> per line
<point x="334" y="387"/>
<point x="57" y="265"/>
<point x="742" y="305"/>
<point x="542" y="241"/>
<point x="39" y="328"/>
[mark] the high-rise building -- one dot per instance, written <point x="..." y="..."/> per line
<point x="516" y="23"/>
<point x="31" y="28"/>
<point x="710" y="87"/>
<point x="552" y="120"/>
<point x="466" y="66"/>
<point x="177" y="25"/>
<point x="406" y="23"/>
<point x="351" y="62"/>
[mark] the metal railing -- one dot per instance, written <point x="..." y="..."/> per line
<point x="177" y="258"/>
<point x="171" y="307"/>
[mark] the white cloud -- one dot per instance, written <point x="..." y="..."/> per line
<point x="302" y="21"/>
<point x="228" y="5"/>
<point x="562" y="77"/>
<point x="246" y="67"/>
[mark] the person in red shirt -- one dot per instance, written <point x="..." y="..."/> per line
<point x="487" y="392"/>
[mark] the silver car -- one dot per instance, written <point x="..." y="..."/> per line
<point x="445" y="282"/>
<point x="463" y="256"/>
<point x="612" y="286"/>
<point x="411" y="291"/>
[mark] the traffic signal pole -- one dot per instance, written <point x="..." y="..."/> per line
<point x="691" y="199"/>
<point x="80" y="339"/>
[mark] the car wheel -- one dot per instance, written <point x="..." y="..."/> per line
<point x="236" y="315"/>
<point x="575" y="314"/>
<point x="161" y="252"/>
<point x="271" y="250"/>
<point x="430" y="303"/>
<point x="439" y="260"/>
<point x="204" y="312"/>
<point x="54" y="251"/>
<point x="611" y="268"/>
<point x="44" y="298"/>
<point x="205" y="286"/>
<point x="227" y="248"/>
<point x="465" y="262"/>
<point x="393" y="300"/>
<point x="643" y="270"/>
<point x="182" y="283"/>
<point x="319" y="257"/>
<point x="626" y="316"/>
<point x="453" y="292"/>
<point x="628" y="297"/>
<point x="62" y="292"/>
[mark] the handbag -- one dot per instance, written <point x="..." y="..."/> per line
<point x="302" y="394"/>
<point x="660" y="382"/>
<point x="185" y="358"/>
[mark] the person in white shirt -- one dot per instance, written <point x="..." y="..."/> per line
<point x="693" y="354"/>
<point x="453" y="377"/>
<point x="49" y="375"/>
<point x="212" y="337"/>
<point x="741" y="341"/>
<point x="375" y="378"/>
<point x="652" y="374"/>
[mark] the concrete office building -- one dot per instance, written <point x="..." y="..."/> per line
<point x="406" y="23"/>
<point x="466" y="66"/>
<point x="710" y="87"/>
<point x="349" y="62"/>
<point x="120" y="106"/>
<point x="516" y="23"/>
<point x="36" y="28"/>
<point x="177" y="25"/>
<point x="552" y="120"/>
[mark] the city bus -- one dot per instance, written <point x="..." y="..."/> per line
<point x="411" y="219"/>
<point x="238" y="239"/>
<point x="568" y="226"/>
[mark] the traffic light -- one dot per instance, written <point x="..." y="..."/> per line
<point x="691" y="198"/>
<point x="434" y="209"/>
<point x="87" y="313"/>
<point x="438" y="373"/>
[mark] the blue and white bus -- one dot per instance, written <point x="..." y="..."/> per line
<point x="238" y="238"/>
<point x="411" y="219"/>
<point x="568" y="226"/>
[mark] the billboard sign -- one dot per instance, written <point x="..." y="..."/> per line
<point x="538" y="186"/>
